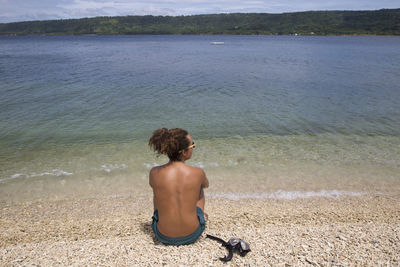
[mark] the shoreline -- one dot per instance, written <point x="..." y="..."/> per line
<point x="347" y="230"/>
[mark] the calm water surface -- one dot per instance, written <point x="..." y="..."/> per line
<point x="78" y="110"/>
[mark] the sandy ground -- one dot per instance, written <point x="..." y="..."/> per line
<point x="116" y="231"/>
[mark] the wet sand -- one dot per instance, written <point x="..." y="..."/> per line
<point x="115" y="231"/>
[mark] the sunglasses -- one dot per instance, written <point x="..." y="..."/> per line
<point x="192" y="145"/>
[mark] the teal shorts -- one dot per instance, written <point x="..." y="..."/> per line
<point x="184" y="240"/>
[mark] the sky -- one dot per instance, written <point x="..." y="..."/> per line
<point x="24" y="10"/>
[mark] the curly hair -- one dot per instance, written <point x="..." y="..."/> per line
<point x="169" y="142"/>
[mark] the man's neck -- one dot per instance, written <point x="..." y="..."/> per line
<point x="176" y="161"/>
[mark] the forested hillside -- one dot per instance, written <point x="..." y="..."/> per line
<point x="379" y="22"/>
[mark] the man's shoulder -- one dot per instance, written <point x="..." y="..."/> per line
<point x="156" y="169"/>
<point x="197" y="172"/>
<point x="201" y="176"/>
<point x="195" y="169"/>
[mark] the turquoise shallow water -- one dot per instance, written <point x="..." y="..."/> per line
<point x="258" y="166"/>
<point x="282" y="112"/>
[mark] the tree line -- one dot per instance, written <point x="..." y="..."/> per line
<point x="378" y="22"/>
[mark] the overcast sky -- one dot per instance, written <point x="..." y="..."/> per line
<point x="22" y="10"/>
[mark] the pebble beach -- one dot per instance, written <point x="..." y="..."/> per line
<point x="116" y="231"/>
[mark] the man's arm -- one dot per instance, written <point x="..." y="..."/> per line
<point x="154" y="202"/>
<point x="204" y="183"/>
<point x="151" y="185"/>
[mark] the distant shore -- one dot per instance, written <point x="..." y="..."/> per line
<point x="370" y="22"/>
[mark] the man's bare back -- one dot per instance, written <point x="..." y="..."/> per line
<point x="177" y="187"/>
<point x="177" y="190"/>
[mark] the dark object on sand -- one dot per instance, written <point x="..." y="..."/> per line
<point x="233" y="244"/>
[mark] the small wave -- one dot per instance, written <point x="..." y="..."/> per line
<point x="231" y="163"/>
<point x="199" y="164"/>
<point x="289" y="195"/>
<point x="205" y="165"/>
<point x="150" y="165"/>
<point x="17" y="175"/>
<point x="54" y="172"/>
<point x="110" y="167"/>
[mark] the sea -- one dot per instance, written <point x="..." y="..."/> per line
<point x="282" y="117"/>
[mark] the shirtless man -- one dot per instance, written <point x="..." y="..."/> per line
<point x="178" y="189"/>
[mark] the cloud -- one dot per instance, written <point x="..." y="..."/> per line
<point x="112" y="8"/>
<point x="17" y="10"/>
<point x="187" y="7"/>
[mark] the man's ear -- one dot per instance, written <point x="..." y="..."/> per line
<point x="184" y="154"/>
